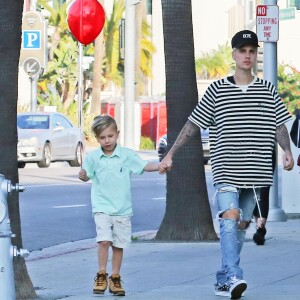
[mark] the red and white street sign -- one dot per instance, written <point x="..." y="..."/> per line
<point x="267" y="23"/>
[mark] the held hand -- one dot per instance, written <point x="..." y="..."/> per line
<point x="288" y="161"/>
<point x="165" y="165"/>
<point x="162" y="168"/>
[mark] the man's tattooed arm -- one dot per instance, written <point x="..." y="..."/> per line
<point x="189" y="130"/>
<point x="282" y="138"/>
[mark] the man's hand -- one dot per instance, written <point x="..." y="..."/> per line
<point x="288" y="161"/>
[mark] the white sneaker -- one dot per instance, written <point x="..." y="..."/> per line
<point x="236" y="287"/>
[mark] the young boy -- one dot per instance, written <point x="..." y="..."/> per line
<point x="109" y="167"/>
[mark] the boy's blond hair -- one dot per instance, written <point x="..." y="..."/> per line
<point x="101" y="123"/>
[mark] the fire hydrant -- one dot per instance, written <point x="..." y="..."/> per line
<point x="7" y="251"/>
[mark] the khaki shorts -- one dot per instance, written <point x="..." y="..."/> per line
<point x="116" y="229"/>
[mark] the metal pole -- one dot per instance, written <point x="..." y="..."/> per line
<point x="129" y="73"/>
<point x="33" y="94"/>
<point x="247" y="14"/>
<point x="270" y="73"/>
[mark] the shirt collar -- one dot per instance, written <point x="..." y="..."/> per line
<point x="117" y="152"/>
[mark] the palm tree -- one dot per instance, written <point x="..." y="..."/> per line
<point x="188" y="214"/>
<point x="58" y="21"/>
<point x="61" y="71"/>
<point x="113" y="66"/>
<point x="215" y="64"/>
<point x="10" y="27"/>
<point x="112" y="71"/>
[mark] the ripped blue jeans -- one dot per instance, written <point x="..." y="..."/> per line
<point x="231" y="236"/>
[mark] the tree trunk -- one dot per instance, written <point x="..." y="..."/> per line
<point x="10" y="24"/>
<point x="188" y="213"/>
<point x="98" y="56"/>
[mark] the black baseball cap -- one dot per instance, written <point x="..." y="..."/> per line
<point x="244" y="37"/>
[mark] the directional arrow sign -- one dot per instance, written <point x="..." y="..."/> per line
<point x="32" y="66"/>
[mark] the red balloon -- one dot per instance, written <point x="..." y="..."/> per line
<point x="86" y="19"/>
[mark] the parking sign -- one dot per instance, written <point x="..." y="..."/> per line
<point x="34" y="38"/>
<point x="31" y="39"/>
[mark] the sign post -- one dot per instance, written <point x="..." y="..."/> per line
<point x="267" y="26"/>
<point x="33" y="56"/>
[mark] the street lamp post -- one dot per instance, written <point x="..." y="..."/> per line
<point x="129" y="73"/>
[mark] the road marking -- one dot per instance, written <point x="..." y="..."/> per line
<point x="148" y="179"/>
<point x="69" y="206"/>
<point x="55" y="184"/>
<point x="160" y="198"/>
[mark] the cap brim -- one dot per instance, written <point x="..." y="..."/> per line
<point x="244" y="44"/>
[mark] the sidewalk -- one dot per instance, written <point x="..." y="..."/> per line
<point x="156" y="270"/>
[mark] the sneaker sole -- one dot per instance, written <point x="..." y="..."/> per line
<point x="98" y="292"/>
<point x="238" y="291"/>
<point x="117" y="293"/>
<point x="222" y="294"/>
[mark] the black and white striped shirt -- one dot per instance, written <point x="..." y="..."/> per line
<point x="242" y="130"/>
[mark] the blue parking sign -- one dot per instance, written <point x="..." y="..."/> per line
<point x="31" y="39"/>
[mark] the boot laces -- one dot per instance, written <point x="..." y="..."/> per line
<point x="100" y="278"/>
<point x="116" y="282"/>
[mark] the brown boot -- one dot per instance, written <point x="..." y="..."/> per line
<point x="100" y="284"/>
<point x="115" y="286"/>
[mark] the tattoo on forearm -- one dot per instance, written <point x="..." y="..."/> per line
<point x="282" y="138"/>
<point x="188" y="130"/>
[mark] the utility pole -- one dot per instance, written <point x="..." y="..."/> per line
<point x="129" y="73"/>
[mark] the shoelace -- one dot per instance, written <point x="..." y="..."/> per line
<point x="223" y="287"/>
<point x="99" y="279"/>
<point x="116" y="282"/>
<point x="233" y="279"/>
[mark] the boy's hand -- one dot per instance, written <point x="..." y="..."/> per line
<point x="82" y="175"/>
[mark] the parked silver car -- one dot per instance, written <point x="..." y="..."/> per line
<point x="45" y="137"/>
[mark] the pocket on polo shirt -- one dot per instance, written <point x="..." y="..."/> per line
<point x="122" y="168"/>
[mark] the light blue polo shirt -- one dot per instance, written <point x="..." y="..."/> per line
<point x="111" y="182"/>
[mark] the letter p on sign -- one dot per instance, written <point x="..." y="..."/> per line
<point x="31" y="39"/>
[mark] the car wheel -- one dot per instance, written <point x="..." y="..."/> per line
<point x="78" y="154"/>
<point x="21" y="165"/>
<point x="46" y="161"/>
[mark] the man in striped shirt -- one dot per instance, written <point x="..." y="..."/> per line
<point x="246" y="116"/>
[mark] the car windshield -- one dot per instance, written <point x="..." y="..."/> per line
<point x="33" y="122"/>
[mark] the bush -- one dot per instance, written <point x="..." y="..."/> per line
<point x="146" y="143"/>
<point x="289" y="86"/>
